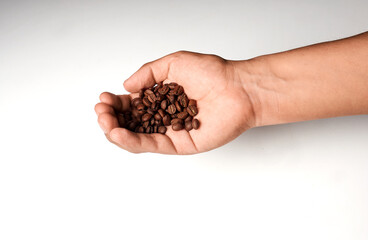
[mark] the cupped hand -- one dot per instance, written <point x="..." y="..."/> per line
<point x="225" y="110"/>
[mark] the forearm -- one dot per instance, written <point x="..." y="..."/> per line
<point x="319" y="81"/>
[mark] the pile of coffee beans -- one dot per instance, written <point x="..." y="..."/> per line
<point x="158" y="107"/>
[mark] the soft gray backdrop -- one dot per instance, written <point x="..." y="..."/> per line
<point x="60" y="179"/>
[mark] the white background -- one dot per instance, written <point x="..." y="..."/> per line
<point x="61" y="179"/>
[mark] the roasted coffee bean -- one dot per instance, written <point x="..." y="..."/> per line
<point x="161" y="112"/>
<point x="146" y="102"/>
<point x="171" y="98"/>
<point x="152" y="121"/>
<point x="152" y="97"/>
<point x="141" y="129"/>
<point x="183" y="100"/>
<point x="164" y="104"/>
<point x="150" y="111"/>
<point x="178" y="90"/>
<point x="149" y="129"/>
<point x="160" y="97"/>
<point x="195" y="123"/>
<point x="154" y="106"/>
<point x="155" y="129"/>
<point x="148" y="92"/>
<point x="158" y="122"/>
<point x="177" y="126"/>
<point x="136" y="101"/>
<point x="162" y="129"/>
<point x="188" y="125"/>
<point x="140" y="107"/>
<point x="145" y="124"/>
<point x="163" y="90"/>
<point x="171" y="109"/>
<point x="173" y="116"/>
<point x="189" y="118"/>
<point x="177" y="106"/>
<point x="176" y="120"/>
<point x="146" y="117"/>
<point x="132" y="125"/>
<point x="192" y="102"/>
<point x="192" y="110"/>
<point x="157" y="116"/>
<point x="172" y="85"/>
<point x="183" y="114"/>
<point x="166" y="120"/>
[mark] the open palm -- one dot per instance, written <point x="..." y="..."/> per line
<point x="224" y="107"/>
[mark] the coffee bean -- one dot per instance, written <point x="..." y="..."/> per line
<point x="163" y="90"/>
<point x="162" y="129"/>
<point x="140" y="107"/>
<point x="155" y="129"/>
<point x="146" y="102"/>
<point x="145" y="124"/>
<point x="192" y="110"/>
<point x="136" y="101"/>
<point x="172" y="85"/>
<point x="177" y="126"/>
<point x="166" y="120"/>
<point x="150" y="111"/>
<point x="183" y="100"/>
<point x="157" y="116"/>
<point x="192" y="102"/>
<point x="152" y="97"/>
<point x="183" y="114"/>
<point x="188" y="125"/>
<point x="176" y="120"/>
<point x="189" y="118"/>
<point x="195" y="123"/>
<point x="149" y="129"/>
<point x="171" y="109"/>
<point x="154" y="106"/>
<point x="164" y="104"/>
<point x="161" y="112"/>
<point x="146" y="117"/>
<point x="141" y="129"/>
<point x="171" y="98"/>
<point x="177" y="106"/>
<point x="148" y="92"/>
<point x="141" y="93"/>
<point x="152" y="121"/>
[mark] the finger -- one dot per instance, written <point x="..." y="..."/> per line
<point x="120" y="103"/>
<point x="103" y="108"/>
<point x="140" y="142"/>
<point x="107" y="122"/>
<point x="149" y="74"/>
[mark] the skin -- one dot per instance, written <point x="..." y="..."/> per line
<point x="319" y="81"/>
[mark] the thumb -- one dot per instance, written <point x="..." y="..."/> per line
<point x="149" y="74"/>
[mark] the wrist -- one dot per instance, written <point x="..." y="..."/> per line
<point x="260" y="84"/>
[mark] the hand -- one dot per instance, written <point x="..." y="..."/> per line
<point x="225" y="110"/>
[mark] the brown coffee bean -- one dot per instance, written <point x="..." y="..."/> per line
<point x="172" y="85"/>
<point x="140" y="107"/>
<point x="177" y="106"/>
<point x="141" y="129"/>
<point x="136" y="101"/>
<point x="189" y="118"/>
<point x="192" y="110"/>
<point x="154" y="106"/>
<point x="152" y="121"/>
<point x="160" y="97"/>
<point x="176" y="120"/>
<point x="155" y="129"/>
<point x="149" y="129"/>
<point x="183" y="100"/>
<point x="152" y="97"/>
<point x="157" y="116"/>
<point x="162" y="129"/>
<point x="183" y="114"/>
<point x="161" y="112"/>
<point x="164" y="104"/>
<point x="145" y="124"/>
<point x="163" y="90"/>
<point x="192" y="102"/>
<point x="150" y="111"/>
<point x="195" y="123"/>
<point x="166" y="120"/>
<point x="171" y="109"/>
<point x="177" y="126"/>
<point x="146" y="117"/>
<point x="173" y="116"/>
<point x="141" y="93"/>
<point x="148" y="92"/>
<point x="158" y="122"/>
<point x="132" y="125"/>
<point x="146" y="102"/>
<point x="188" y="125"/>
<point x="171" y="98"/>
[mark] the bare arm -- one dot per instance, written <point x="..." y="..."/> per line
<point x="318" y="81"/>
